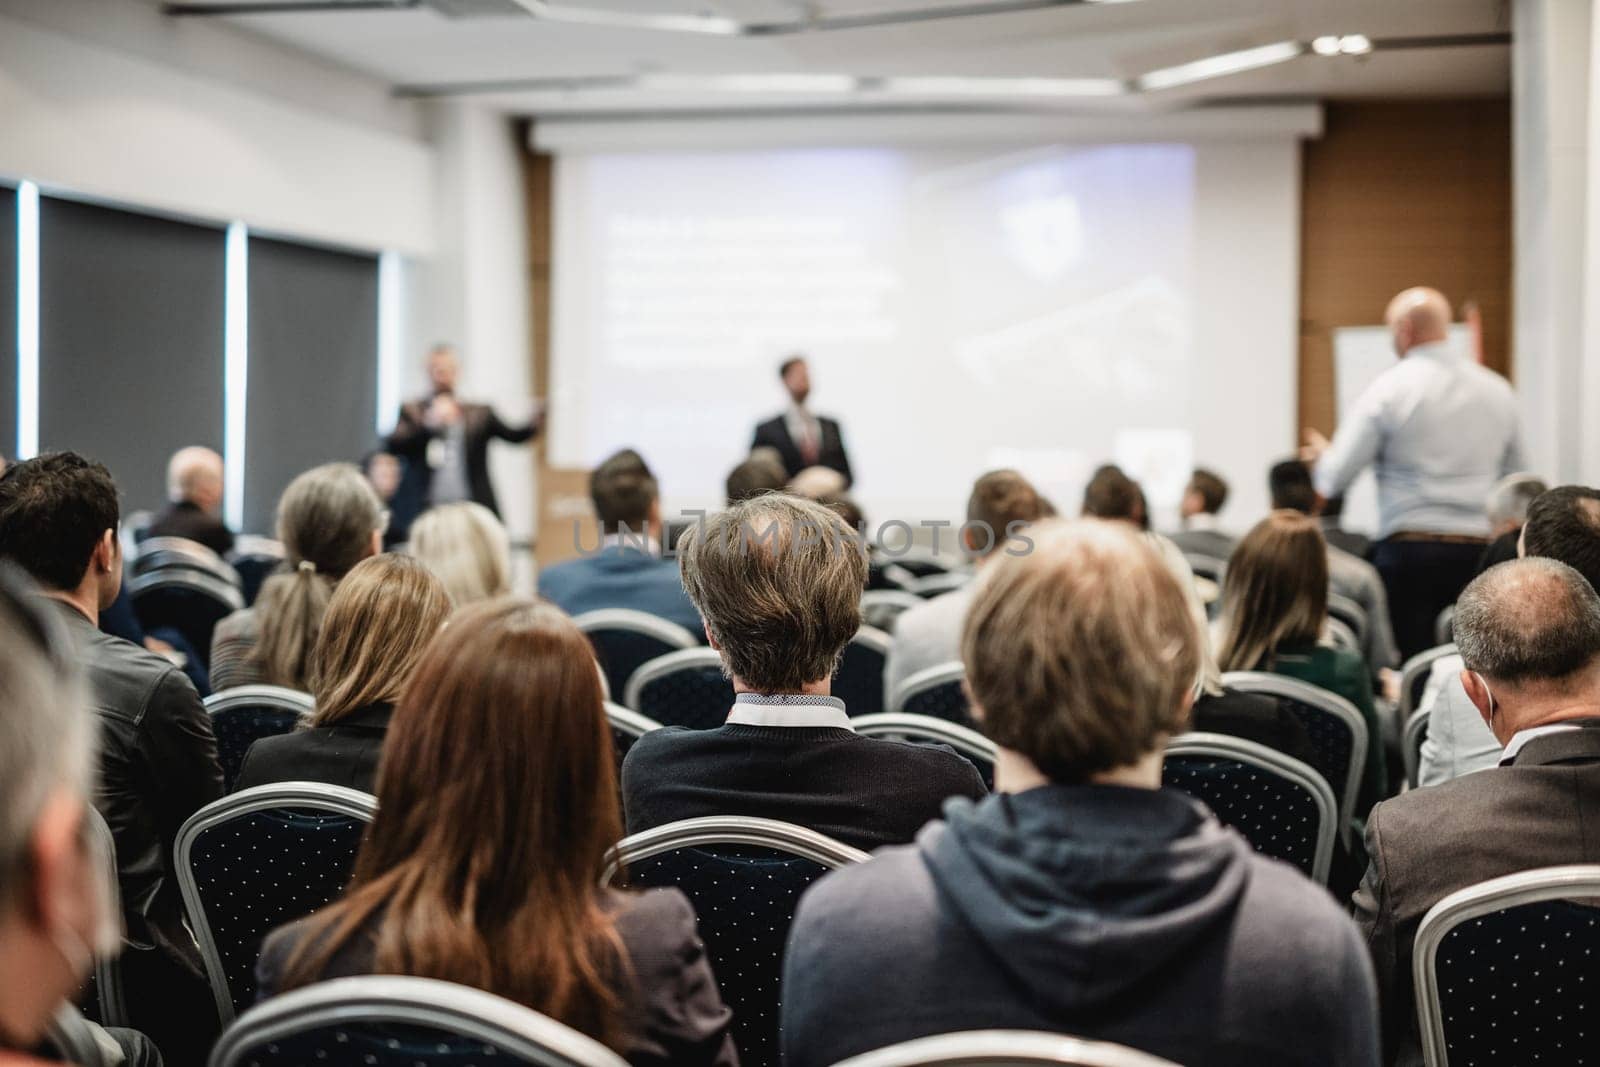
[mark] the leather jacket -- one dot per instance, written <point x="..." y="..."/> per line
<point x="158" y="766"/>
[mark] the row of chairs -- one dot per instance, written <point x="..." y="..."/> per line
<point x="182" y="585"/>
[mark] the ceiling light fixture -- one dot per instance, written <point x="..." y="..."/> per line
<point x="1219" y="66"/>
<point x="1326" y="46"/>
<point x="1355" y="44"/>
<point x="950" y="86"/>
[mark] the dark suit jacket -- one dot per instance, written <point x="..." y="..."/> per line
<point x="480" y="425"/>
<point x="183" y="519"/>
<point x="341" y="753"/>
<point x="620" y="577"/>
<point x="774" y="433"/>
<point x="1428" y="843"/>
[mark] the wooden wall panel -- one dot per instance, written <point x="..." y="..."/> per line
<point x="1396" y="194"/>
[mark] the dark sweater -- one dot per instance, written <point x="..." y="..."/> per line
<point x="344" y="752"/>
<point x="1254" y="718"/>
<point x="862" y="791"/>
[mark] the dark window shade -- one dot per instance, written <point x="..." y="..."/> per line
<point x="8" y="322"/>
<point x="130" y="340"/>
<point x="312" y="395"/>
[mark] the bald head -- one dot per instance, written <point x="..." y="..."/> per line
<point x="195" y="475"/>
<point x="1417" y="316"/>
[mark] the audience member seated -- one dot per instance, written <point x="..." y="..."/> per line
<point x="1507" y="508"/>
<point x="194" y="508"/>
<point x="1084" y="898"/>
<point x="158" y="759"/>
<point x="627" y="570"/>
<point x="1274" y="608"/>
<point x="381" y="618"/>
<point x="1111" y="494"/>
<point x="467" y="547"/>
<point x="386" y="473"/>
<point x="761" y="473"/>
<point x="1001" y="503"/>
<point x="1203" y="498"/>
<point x="1529" y="634"/>
<point x="778" y="580"/>
<point x="329" y="519"/>
<point x="483" y="865"/>
<point x="1562" y="524"/>
<point x="1349" y="576"/>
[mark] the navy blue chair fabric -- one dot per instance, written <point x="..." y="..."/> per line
<point x="694" y="694"/>
<point x="1277" y="816"/>
<point x="859" y="680"/>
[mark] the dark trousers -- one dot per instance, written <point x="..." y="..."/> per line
<point x="1422" y="579"/>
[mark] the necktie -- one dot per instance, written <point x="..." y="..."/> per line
<point x="808" y="441"/>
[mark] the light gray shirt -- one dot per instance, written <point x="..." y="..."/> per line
<point x="449" y="482"/>
<point x="1458" y="741"/>
<point x="928" y="635"/>
<point x="1439" y="430"/>
<point x="1355" y="579"/>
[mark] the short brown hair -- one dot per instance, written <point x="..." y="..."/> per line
<point x="1080" y="654"/>
<point x="778" y="581"/>
<point x="1111" y="494"/>
<point x="1275" y="591"/>
<point x="999" y="499"/>
<point x="1213" y="491"/>
<point x="623" y="489"/>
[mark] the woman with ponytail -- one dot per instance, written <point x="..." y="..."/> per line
<point x="329" y="519"/>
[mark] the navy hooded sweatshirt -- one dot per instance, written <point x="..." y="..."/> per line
<point x="1106" y="912"/>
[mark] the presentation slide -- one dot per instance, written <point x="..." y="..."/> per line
<point x="961" y="310"/>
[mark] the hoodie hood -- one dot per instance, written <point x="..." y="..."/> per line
<point x="1082" y="892"/>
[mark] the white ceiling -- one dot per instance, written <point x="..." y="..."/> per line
<point x="424" y="48"/>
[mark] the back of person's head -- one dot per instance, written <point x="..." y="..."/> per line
<point x="1001" y="502"/>
<point x="1275" y="591"/>
<point x="195" y="474"/>
<point x="1530" y="623"/>
<point x="624" y="492"/>
<point x="380" y="618"/>
<point x="778" y="581"/>
<point x="1564" y="524"/>
<point x="1081" y="655"/>
<point x="761" y="472"/>
<point x="329" y="519"/>
<point x="1111" y="494"/>
<point x="1508" y="502"/>
<point x="1206" y="491"/>
<point x="483" y="864"/>
<point x="1289" y="482"/>
<point x="847" y="509"/>
<point x="467" y="547"/>
<point x="56" y="511"/>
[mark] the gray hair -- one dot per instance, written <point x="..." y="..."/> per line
<point x="467" y="547"/>
<point x="189" y="467"/>
<point x="1528" y="620"/>
<point x="1511" y="497"/>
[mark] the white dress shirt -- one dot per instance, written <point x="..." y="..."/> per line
<point x="1439" y="431"/>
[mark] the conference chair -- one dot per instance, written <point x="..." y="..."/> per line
<point x="882" y="608"/>
<point x="1336" y="633"/>
<point x="1004" y="1048"/>
<point x="1411" y="739"/>
<point x="859" y="680"/>
<point x="189" y="601"/>
<point x="255" y="559"/>
<point x="1337" y="731"/>
<point x="744" y="877"/>
<point x="627" y="726"/>
<point x="1414" y="674"/>
<point x="1501" y="969"/>
<point x="105" y="987"/>
<point x="1352" y="615"/>
<point x="180" y="553"/>
<point x="684" y="688"/>
<point x="939" y="583"/>
<point x="906" y="566"/>
<point x="935" y="692"/>
<point x="245" y="714"/>
<point x="624" y="640"/>
<point x="926" y="730"/>
<point x="1284" y="808"/>
<point x="1208" y="567"/>
<point x="263" y="857"/>
<point x="1444" y="625"/>
<point x="401" y="1021"/>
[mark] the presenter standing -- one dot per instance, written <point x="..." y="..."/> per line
<point x="445" y="442"/>
<point x="803" y="440"/>
<point x="1439" y="430"/>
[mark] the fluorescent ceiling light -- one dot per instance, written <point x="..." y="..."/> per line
<point x="1355" y="44"/>
<point x="27" y="320"/>
<point x="1004" y="87"/>
<point x="750" y="83"/>
<point x="1326" y="46"/>
<point x="715" y="25"/>
<point x="1220" y="66"/>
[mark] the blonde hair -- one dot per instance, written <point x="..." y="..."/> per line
<point x="467" y="547"/>
<point x="379" y="620"/>
<point x="326" y="521"/>
<point x="1275" y="591"/>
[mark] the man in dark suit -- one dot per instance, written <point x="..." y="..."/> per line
<point x="194" y="489"/>
<point x="445" y="442"/>
<point x="1529" y="635"/>
<point x="626" y="570"/>
<point x="802" y="439"/>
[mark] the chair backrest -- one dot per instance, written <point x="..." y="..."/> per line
<point x="937" y="584"/>
<point x="881" y="608"/>
<point x="255" y="558"/>
<point x="625" y="640"/>
<point x="627" y="726"/>
<point x="1444" y="626"/>
<point x="1414" y="675"/>
<point x="1352" y="615"/>
<point x="1337" y="731"/>
<point x="258" y="859"/>
<point x="913" y="563"/>
<point x="859" y="680"/>
<point x="180" y="553"/>
<point x="936" y="693"/>
<point x="107" y="976"/>
<point x="1004" y="1048"/>
<point x="1412" y="735"/>
<point x="399" y="1021"/>
<point x="244" y="714"/>
<point x="685" y="688"/>
<point x="744" y="877"/>
<point x="1501" y="969"/>
<point x="1339" y="635"/>
<point x="1284" y="808"/>
<point x="1208" y="567"/>
<point x="924" y="729"/>
<point x="190" y="601"/>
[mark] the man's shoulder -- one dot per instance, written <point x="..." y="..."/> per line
<point x="1431" y="817"/>
<point x="846" y="894"/>
<point x="127" y="678"/>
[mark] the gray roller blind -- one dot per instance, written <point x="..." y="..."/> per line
<point x="8" y="322"/>
<point x="130" y="340"/>
<point x="313" y="379"/>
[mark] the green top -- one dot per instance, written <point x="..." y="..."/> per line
<point x="1342" y="672"/>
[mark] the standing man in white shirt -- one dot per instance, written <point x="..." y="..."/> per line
<point x="1439" y="430"/>
<point x="802" y="439"/>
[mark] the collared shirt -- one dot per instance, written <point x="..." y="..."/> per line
<point x="789" y="709"/>
<point x="447" y="456"/>
<point x="1439" y="430"/>
<point x="800" y="423"/>
<point x="1522" y="737"/>
<point x="1201" y="520"/>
